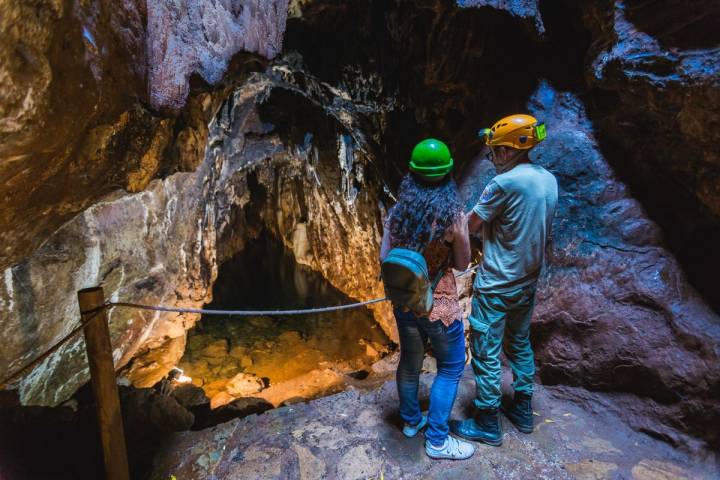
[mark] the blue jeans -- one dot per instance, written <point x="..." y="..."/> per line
<point x="448" y="344"/>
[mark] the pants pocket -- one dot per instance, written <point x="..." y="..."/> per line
<point x="478" y="342"/>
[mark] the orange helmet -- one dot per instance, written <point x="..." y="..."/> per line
<point x="516" y="131"/>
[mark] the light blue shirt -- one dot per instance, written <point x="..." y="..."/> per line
<point x="517" y="209"/>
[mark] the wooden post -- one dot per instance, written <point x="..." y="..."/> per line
<point x="104" y="386"/>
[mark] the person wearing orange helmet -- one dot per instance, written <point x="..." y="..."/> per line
<point x="515" y="213"/>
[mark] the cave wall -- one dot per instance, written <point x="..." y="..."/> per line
<point x="653" y="73"/>
<point x="615" y="312"/>
<point x="91" y="93"/>
<point x="130" y="187"/>
<point x="616" y="306"/>
<point x="160" y="246"/>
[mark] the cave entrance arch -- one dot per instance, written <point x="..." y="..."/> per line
<point x="278" y="357"/>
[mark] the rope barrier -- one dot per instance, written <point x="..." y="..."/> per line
<point x="255" y="313"/>
<point x="51" y="350"/>
<point x="240" y="313"/>
<point x="247" y="313"/>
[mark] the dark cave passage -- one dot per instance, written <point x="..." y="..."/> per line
<point x="275" y="357"/>
<point x="447" y="70"/>
<point x="453" y="70"/>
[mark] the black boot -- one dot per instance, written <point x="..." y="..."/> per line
<point x="520" y="412"/>
<point x="485" y="428"/>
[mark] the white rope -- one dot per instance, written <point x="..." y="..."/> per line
<point x="247" y="313"/>
<point x="255" y="313"/>
<point x="244" y="313"/>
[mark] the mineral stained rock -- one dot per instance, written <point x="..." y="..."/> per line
<point x="202" y="36"/>
<point x="160" y="246"/>
<point x="76" y="79"/>
<point x="654" y="69"/>
<point x="614" y="311"/>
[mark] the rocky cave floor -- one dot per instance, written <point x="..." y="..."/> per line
<point x="356" y="435"/>
<point x="280" y="359"/>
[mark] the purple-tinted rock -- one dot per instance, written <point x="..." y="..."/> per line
<point x="655" y="72"/>
<point x="614" y="311"/>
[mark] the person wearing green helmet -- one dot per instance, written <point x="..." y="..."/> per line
<point x="428" y="218"/>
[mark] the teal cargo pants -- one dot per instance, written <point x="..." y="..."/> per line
<point x="501" y="321"/>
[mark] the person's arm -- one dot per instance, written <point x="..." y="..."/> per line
<point x="386" y="245"/>
<point x="461" y="244"/>
<point x="491" y="204"/>
<point x="474" y="223"/>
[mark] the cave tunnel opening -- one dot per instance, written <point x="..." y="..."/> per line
<point x="447" y="70"/>
<point x="278" y="357"/>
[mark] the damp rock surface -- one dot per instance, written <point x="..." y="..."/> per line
<point x="614" y="310"/>
<point x="654" y="73"/>
<point x="163" y="245"/>
<point x="357" y="435"/>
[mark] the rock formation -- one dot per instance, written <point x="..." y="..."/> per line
<point x="201" y="37"/>
<point x="526" y="10"/>
<point x="614" y="311"/>
<point x="655" y="75"/>
<point x="161" y="246"/>
<point x="78" y="103"/>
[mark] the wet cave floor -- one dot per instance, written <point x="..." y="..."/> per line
<point x="278" y="358"/>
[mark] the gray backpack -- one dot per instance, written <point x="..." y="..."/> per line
<point x="407" y="281"/>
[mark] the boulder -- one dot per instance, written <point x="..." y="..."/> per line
<point x="147" y="410"/>
<point x="215" y="352"/>
<point x="190" y="395"/>
<point x="244" y="385"/>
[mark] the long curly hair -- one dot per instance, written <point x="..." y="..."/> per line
<point x="423" y="213"/>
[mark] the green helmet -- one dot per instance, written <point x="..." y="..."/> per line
<point x="431" y="159"/>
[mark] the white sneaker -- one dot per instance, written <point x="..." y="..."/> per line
<point x="452" y="449"/>
<point x="412" y="430"/>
